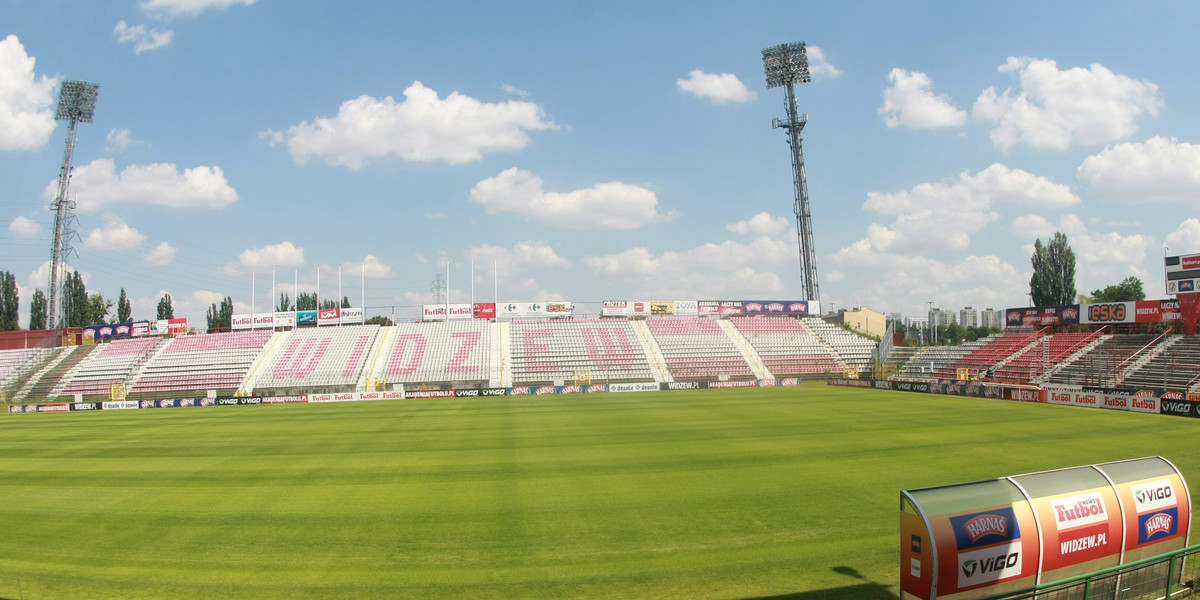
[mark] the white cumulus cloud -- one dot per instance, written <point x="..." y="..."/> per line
<point x="612" y="205"/>
<point x="729" y="268"/>
<point x="370" y="265"/>
<point x="1056" y="109"/>
<point x="1157" y="169"/>
<point x="275" y="256"/>
<point x="946" y="213"/>
<point x="24" y="228"/>
<point x="910" y="102"/>
<point x="26" y="100"/>
<point x="161" y="255"/>
<point x="1101" y="258"/>
<point x="114" y="235"/>
<point x="118" y="140"/>
<point x="904" y="282"/>
<point x="142" y="37"/>
<point x="161" y="184"/>
<point x="1186" y="238"/>
<point x="818" y="66"/>
<point x="170" y="9"/>
<point x="457" y="129"/>
<point x="719" y="88"/>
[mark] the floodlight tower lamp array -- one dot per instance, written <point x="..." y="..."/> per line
<point x="76" y="104"/>
<point x="786" y="65"/>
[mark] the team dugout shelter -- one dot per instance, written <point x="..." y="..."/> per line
<point x="1013" y="533"/>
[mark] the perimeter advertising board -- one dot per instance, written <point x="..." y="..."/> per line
<point x="535" y="309"/>
<point x="988" y="537"/>
<point x="439" y="312"/>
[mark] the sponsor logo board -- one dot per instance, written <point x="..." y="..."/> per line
<point x="989" y="565"/>
<point x="429" y="394"/>
<point x="985" y="528"/>
<point x="1079" y="510"/>
<point x="633" y="387"/>
<point x="1153" y="495"/>
<point x="1158" y="525"/>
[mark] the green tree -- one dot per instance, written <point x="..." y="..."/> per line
<point x="380" y="320"/>
<point x="165" y="309"/>
<point x="124" y="308"/>
<point x="1053" y="281"/>
<point x="220" y="318"/>
<point x="10" y="302"/>
<point x="37" y="310"/>
<point x="306" y="301"/>
<point x="77" y="308"/>
<point x="285" y="303"/>
<point x="1130" y="289"/>
<point x="97" y="309"/>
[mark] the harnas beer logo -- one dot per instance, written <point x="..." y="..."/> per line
<point x="1080" y="510"/>
<point x="1158" y="525"/>
<point x="986" y="528"/>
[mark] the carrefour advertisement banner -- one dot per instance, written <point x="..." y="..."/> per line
<point x="535" y="309"/>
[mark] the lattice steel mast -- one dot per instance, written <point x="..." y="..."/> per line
<point x="76" y="104"/>
<point x="786" y="65"/>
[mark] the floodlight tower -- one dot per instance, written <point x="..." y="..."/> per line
<point x="76" y="104"/>
<point x="787" y="65"/>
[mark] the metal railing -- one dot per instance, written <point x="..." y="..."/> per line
<point x="1164" y="576"/>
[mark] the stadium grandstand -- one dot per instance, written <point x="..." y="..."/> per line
<point x="631" y="342"/>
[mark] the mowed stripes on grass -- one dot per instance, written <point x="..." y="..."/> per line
<point x="702" y="494"/>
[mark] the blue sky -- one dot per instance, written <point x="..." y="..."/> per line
<point x="598" y="150"/>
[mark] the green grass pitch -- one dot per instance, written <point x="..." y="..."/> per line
<point x="774" y="493"/>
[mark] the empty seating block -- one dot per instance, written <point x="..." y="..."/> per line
<point x="1034" y="360"/>
<point x="435" y="352"/>
<point x="697" y="347"/>
<point x="555" y="349"/>
<point x="319" y="357"/>
<point x="11" y="361"/>
<point x="1172" y="369"/>
<point x="855" y="350"/>
<point x="786" y="346"/>
<point x="111" y="362"/>
<point x="212" y="361"/>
